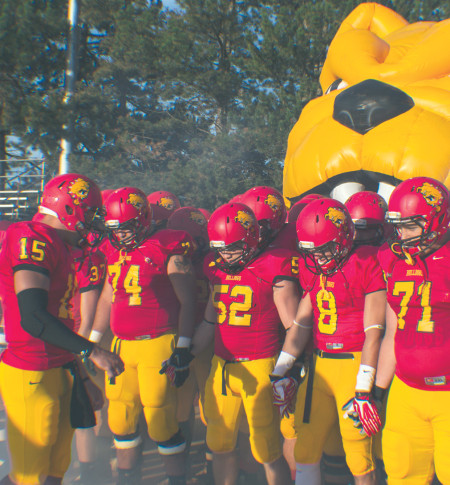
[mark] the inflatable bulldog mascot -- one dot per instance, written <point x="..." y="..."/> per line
<point x="385" y="114"/>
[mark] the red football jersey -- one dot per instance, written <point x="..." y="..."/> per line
<point x="90" y="273"/>
<point x="420" y="296"/>
<point x="35" y="246"/>
<point x="339" y="310"/>
<point x="106" y="248"/>
<point x="248" y="321"/>
<point x="286" y="238"/>
<point x="144" y="302"/>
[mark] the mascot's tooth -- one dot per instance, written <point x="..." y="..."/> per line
<point x="343" y="191"/>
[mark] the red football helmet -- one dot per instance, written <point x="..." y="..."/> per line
<point x="368" y="212"/>
<point x="75" y="200"/>
<point x="269" y="208"/>
<point x="205" y="212"/>
<point x="236" y="198"/>
<point x="127" y="209"/>
<point x="300" y="205"/>
<point x="422" y="201"/>
<point x="192" y="221"/>
<point x="233" y="226"/>
<point x="325" y="232"/>
<point x="105" y="194"/>
<point x="163" y="203"/>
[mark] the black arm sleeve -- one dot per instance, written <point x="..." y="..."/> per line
<point x="39" y="323"/>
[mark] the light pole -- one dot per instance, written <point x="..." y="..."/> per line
<point x="70" y="78"/>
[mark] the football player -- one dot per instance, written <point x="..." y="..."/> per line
<point x="90" y="273"/>
<point x="343" y="306"/>
<point x="270" y="211"/>
<point x="149" y="296"/>
<point x="38" y="373"/>
<point x="269" y="208"/>
<point x="415" y="353"/>
<point x="193" y="221"/>
<point x="367" y="210"/>
<point x="163" y="203"/>
<point x="252" y="295"/>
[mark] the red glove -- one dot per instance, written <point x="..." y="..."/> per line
<point x="284" y="394"/>
<point x="364" y="404"/>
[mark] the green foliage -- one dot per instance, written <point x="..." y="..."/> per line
<point x="198" y="101"/>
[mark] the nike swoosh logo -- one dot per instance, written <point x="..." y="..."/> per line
<point x="438" y="257"/>
<point x="33" y="383"/>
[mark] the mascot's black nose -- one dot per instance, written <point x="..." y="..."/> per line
<point x="368" y="104"/>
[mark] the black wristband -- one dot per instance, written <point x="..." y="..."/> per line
<point x="378" y="393"/>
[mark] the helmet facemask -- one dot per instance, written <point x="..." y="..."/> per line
<point x="415" y="245"/>
<point x="137" y="234"/>
<point x="239" y="262"/>
<point x="377" y="234"/>
<point x="330" y="253"/>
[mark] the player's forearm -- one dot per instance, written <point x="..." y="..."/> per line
<point x="186" y="319"/>
<point x="39" y="323"/>
<point x="371" y="348"/>
<point x="286" y="299"/>
<point x="386" y="363"/>
<point x="102" y="318"/>
<point x="88" y="306"/>
<point x="203" y="337"/>
<point x="296" y="339"/>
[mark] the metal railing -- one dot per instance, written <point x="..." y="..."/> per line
<point x="21" y="185"/>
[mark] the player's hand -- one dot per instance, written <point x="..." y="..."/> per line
<point x="364" y="404"/>
<point x="111" y="363"/>
<point x="90" y="367"/>
<point x="350" y="413"/>
<point x="95" y="394"/>
<point x="284" y="394"/>
<point x="177" y="366"/>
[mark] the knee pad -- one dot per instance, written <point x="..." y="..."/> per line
<point x="122" y="419"/>
<point x="307" y="448"/>
<point x="125" y="442"/>
<point x="173" y="446"/>
<point x="219" y="440"/>
<point x="162" y="422"/>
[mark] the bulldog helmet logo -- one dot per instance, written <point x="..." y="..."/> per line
<point x="197" y="218"/>
<point x="78" y="190"/>
<point x="432" y="195"/>
<point x="167" y="203"/>
<point x="336" y="216"/>
<point x="244" y="219"/>
<point x="273" y="202"/>
<point x="135" y="200"/>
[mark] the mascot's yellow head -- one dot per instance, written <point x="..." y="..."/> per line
<point x="78" y="190"/>
<point x="385" y="113"/>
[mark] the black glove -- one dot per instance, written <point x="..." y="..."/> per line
<point x="177" y="366"/>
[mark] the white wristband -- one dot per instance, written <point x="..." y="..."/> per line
<point x="365" y="378"/>
<point x="378" y="327"/>
<point x="284" y="363"/>
<point x="95" y="336"/>
<point x="184" y="342"/>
